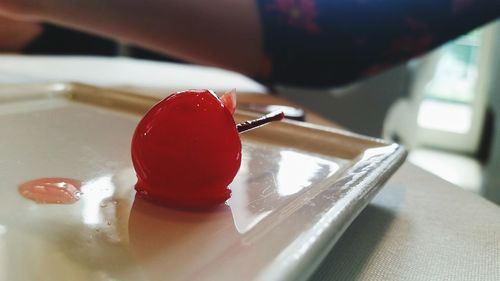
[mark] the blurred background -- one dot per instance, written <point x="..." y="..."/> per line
<point x="444" y="107"/>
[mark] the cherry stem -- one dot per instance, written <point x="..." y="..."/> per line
<point x="252" y="124"/>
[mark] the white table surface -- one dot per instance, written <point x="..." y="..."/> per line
<point x="418" y="228"/>
<point x="120" y="71"/>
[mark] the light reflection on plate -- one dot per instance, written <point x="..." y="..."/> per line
<point x="270" y="177"/>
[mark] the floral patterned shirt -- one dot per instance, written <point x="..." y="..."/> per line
<point x="324" y="43"/>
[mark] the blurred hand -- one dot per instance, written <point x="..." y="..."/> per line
<point x="15" y="35"/>
<point x="9" y="7"/>
<point x="20" y="9"/>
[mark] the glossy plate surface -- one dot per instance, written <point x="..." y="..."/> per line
<point x="298" y="188"/>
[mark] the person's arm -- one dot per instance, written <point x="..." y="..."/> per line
<point x="223" y="33"/>
<point x="16" y="35"/>
<point x="306" y="42"/>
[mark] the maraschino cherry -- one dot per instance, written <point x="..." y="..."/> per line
<point x="186" y="150"/>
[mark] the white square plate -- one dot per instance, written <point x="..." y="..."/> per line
<point x="298" y="189"/>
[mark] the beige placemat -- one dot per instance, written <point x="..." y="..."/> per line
<point x="419" y="228"/>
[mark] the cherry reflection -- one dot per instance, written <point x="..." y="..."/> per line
<point x="179" y="244"/>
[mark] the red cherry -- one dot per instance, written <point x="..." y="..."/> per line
<point x="186" y="151"/>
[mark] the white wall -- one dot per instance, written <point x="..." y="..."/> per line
<point x="491" y="188"/>
<point x="360" y="107"/>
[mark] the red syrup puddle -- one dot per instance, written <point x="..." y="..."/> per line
<point x="51" y="190"/>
